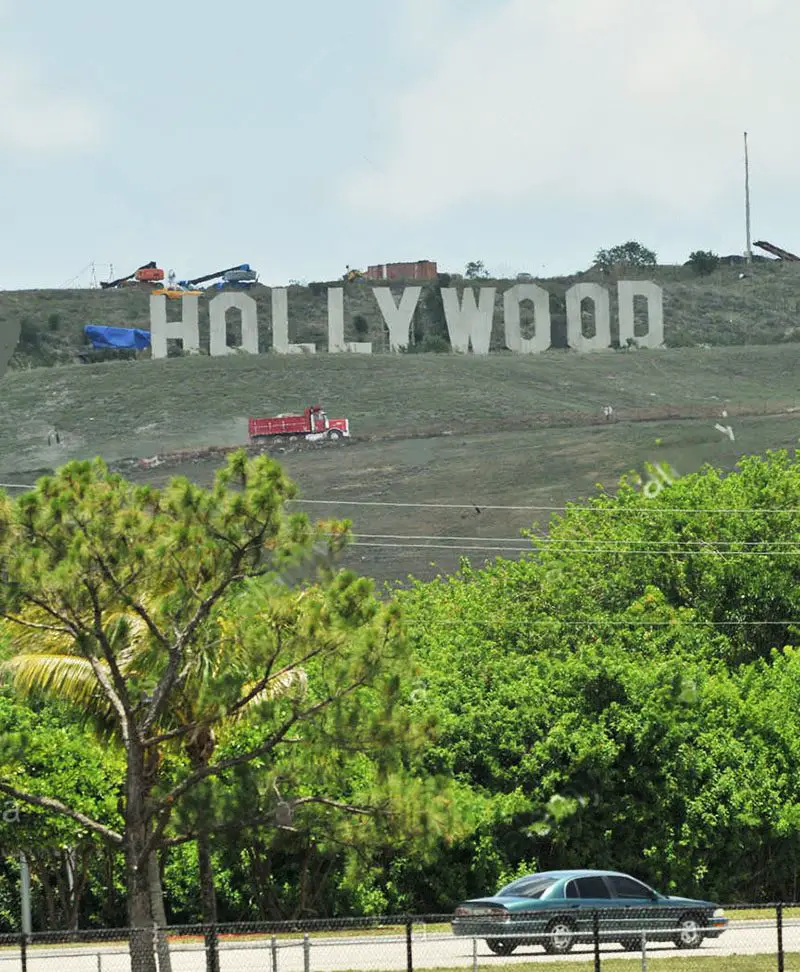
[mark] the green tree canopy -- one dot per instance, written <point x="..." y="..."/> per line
<point x="634" y="680"/>
<point x="173" y="598"/>
<point x="625" y="256"/>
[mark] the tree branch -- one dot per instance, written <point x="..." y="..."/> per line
<point x="37" y="627"/>
<point x="266" y="818"/>
<point x="47" y="803"/>
<point x="214" y="769"/>
<point x="118" y="693"/>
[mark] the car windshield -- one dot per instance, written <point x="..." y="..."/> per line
<point x="533" y="886"/>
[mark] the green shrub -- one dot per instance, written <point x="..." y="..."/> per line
<point x="703" y="262"/>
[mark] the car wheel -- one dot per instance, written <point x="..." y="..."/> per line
<point x="501" y="946"/>
<point x="690" y="932"/>
<point x="561" y="932"/>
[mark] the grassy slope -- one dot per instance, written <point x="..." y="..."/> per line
<point x="429" y="428"/>
<point x="719" y="309"/>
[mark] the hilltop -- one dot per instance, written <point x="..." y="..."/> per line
<point x="474" y="431"/>
<point x="718" y="310"/>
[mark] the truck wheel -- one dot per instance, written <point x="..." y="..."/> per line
<point x="334" y="433"/>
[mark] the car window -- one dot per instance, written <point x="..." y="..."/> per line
<point x="527" y="887"/>
<point x="592" y="887"/>
<point x="625" y="887"/>
<point x="572" y="891"/>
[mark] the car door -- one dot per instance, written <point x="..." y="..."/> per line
<point x="593" y="895"/>
<point x="634" y="903"/>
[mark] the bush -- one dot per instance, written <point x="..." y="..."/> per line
<point x="630" y="254"/>
<point x="703" y="262"/>
<point x="54" y="321"/>
<point x="476" y="270"/>
<point x="361" y="325"/>
<point x="28" y="333"/>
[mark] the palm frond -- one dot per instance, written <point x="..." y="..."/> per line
<point x="63" y="676"/>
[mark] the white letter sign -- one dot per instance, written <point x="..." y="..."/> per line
<point x="602" y="317"/>
<point x="336" y="340"/>
<point x="541" y="308"/>
<point x="186" y="329"/>
<point x="398" y="318"/>
<point x="217" y="314"/>
<point x="280" y="326"/>
<point x="470" y="322"/>
<point x="626" y="291"/>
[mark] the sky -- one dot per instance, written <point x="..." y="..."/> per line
<point x="302" y="137"/>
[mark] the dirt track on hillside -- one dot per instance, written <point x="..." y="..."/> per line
<point x="540" y="420"/>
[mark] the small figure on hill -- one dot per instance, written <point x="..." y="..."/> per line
<point x="608" y="411"/>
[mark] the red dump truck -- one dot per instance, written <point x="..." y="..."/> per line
<point x="313" y="424"/>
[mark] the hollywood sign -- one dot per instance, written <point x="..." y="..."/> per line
<point x="469" y="321"/>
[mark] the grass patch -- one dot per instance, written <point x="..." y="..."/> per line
<point x="694" y="963"/>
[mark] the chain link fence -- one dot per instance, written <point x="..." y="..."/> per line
<point x="755" y="939"/>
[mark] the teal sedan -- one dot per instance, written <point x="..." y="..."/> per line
<point x="557" y="909"/>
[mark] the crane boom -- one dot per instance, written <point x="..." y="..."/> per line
<point x="777" y="251"/>
<point x="120" y="280"/>
<point x="212" y="276"/>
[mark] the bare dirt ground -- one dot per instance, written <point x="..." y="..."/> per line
<point x="503" y="430"/>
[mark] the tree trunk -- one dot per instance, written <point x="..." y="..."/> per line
<point x="140" y="914"/>
<point x="208" y="899"/>
<point x="159" y="912"/>
<point x="208" y="894"/>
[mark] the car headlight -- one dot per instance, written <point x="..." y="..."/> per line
<point x="719" y="913"/>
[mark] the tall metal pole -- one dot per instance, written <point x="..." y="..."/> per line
<point x="25" y="894"/>
<point x="748" y="252"/>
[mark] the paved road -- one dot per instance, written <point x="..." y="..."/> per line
<point x="385" y="953"/>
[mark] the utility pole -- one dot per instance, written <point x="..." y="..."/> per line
<point x="25" y="894"/>
<point x="748" y="255"/>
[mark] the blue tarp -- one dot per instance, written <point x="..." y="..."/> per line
<point x="117" y="337"/>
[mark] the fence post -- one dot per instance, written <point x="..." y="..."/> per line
<point x="212" y="949"/>
<point x="99" y="962"/>
<point x="596" y="929"/>
<point x="474" y="955"/>
<point x="306" y="953"/>
<point x="409" y="945"/>
<point x="779" y="919"/>
<point x="274" y="949"/>
<point x="644" y="951"/>
<point x="23" y="951"/>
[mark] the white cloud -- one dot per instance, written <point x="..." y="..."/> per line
<point x="577" y="99"/>
<point x="37" y="117"/>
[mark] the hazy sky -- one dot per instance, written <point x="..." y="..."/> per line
<point x="304" y="136"/>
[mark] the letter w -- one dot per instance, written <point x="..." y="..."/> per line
<point x="469" y="322"/>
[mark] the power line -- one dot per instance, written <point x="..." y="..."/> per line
<point x="578" y="542"/>
<point x="582" y="550"/>
<point x="479" y="507"/>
